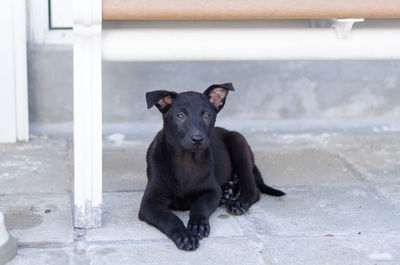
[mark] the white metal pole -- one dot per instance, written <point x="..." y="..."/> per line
<point x="249" y="44"/>
<point x="87" y="114"/>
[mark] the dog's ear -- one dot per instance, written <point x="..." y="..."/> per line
<point x="217" y="94"/>
<point x="161" y="98"/>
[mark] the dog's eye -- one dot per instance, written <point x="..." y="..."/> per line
<point x="180" y="116"/>
<point x="206" y="115"/>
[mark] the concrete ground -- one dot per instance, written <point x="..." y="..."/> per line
<point x="342" y="204"/>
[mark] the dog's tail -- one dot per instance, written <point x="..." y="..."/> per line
<point x="264" y="188"/>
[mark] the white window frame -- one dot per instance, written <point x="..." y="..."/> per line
<point x="60" y="14"/>
<point x="39" y="31"/>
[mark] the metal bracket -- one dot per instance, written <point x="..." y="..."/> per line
<point x="343" y="26"/>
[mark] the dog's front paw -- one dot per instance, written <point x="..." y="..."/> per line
<point x="237" y="207"/>
<point x="199" y="226"/>
<point x="185" y="240"/>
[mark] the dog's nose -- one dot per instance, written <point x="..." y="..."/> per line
<point x="197" y="139"/>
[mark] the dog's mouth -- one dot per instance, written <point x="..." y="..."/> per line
<point x="197" y="148"/>
<point x="194" y="147"/>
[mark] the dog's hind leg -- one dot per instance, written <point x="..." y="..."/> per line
<point x="230" y="189"/>
<point x="243" y="164"/>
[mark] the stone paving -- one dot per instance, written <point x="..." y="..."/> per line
<point x="342" y="204"/>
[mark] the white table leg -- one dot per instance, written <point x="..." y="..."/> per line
<point x="87" y="114"/>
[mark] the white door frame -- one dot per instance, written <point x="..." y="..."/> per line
<point x="14" y="122"/>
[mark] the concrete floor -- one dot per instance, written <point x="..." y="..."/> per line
<point x="342" y="204"/>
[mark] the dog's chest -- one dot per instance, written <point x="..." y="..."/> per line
<point x="188" y="181"/>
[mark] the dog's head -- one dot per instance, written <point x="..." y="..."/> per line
<point x="189" y="117"/>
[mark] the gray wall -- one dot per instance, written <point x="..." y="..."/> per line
<point x="265" y="89"/>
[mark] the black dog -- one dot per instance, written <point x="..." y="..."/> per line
<point x="189" y="161"/>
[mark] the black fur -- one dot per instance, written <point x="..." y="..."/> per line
<point x="192" y="165"/>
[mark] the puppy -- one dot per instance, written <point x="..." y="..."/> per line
<point x="192" y="165"/>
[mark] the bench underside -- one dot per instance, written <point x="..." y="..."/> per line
<point x="250" y="9"/>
